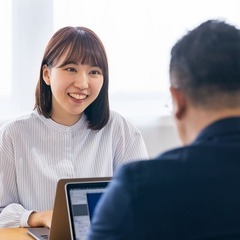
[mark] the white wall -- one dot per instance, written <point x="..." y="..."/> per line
<point x="32" y="26"/>
<point x="159" y="134"/>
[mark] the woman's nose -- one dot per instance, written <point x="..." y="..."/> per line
<point x="81" y="81"/>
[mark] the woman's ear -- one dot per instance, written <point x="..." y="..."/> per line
<point x="46" y="74"/>
<point x="179" y="103"/>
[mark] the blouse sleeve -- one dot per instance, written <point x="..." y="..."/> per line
<point x="130" y="145"/>
<point x="13" y="214"/>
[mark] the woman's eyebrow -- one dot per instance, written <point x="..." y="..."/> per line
<point x="67" y="63"/>
<point x="95" y="65"/>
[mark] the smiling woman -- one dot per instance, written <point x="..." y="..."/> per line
<point x="61" y="137"/>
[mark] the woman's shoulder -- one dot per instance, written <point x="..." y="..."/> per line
<point x="119" y="121"/>
<point x="19" y="122"/>
<point x="116" y="117"/>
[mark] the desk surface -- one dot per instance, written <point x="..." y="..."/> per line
<point x="14" y="234"/>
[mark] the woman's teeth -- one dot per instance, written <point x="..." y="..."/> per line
<point x="77" y="96"/>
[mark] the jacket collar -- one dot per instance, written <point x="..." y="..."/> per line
<point x="219" y="129"/>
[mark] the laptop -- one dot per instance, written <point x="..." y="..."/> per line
<point x="60" y="226"/>
<point x="82" y="198"/>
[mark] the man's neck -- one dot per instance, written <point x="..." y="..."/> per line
<point x="198" y="119"/>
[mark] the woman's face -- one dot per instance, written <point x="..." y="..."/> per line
<point x="74" y="87"/>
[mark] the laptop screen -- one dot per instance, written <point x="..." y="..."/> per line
<point x="82" y="199"/>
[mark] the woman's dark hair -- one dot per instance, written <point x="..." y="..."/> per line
<point x="78" y="45"/>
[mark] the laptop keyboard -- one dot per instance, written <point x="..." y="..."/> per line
<point x="44" y="236"/>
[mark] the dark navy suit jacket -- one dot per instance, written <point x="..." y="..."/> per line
<point x="191" y="192"/>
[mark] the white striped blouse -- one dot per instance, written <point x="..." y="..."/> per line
<point x="35" y="152"/>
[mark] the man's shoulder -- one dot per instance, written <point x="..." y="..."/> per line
<point x="168" y="159"/>
<point x="181" y="163"/>
<point x="175" y="154"/>
<point x="172" y="161"/>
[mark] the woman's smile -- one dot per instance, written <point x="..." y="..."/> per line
<point x="78" y="96"/>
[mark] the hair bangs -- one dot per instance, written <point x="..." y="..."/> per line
<point x="83" y="51"/>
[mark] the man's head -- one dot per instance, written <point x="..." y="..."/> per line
<point x="205" y="70"/>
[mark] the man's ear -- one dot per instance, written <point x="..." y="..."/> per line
<point x="179" y="103"/>
<point x="46" y="74"/>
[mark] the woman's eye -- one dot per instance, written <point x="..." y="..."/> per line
<point x="71" y="69"/>
<point x="96" y="72"/>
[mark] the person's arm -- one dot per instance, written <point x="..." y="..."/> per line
<point x="135" y="147"/>
<point x="13" y="216"/>
<point x="113" y="214"/>
<point x="130" y="144"/>
<point x="12" y="213"/>
<point x="40" y="219"/>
